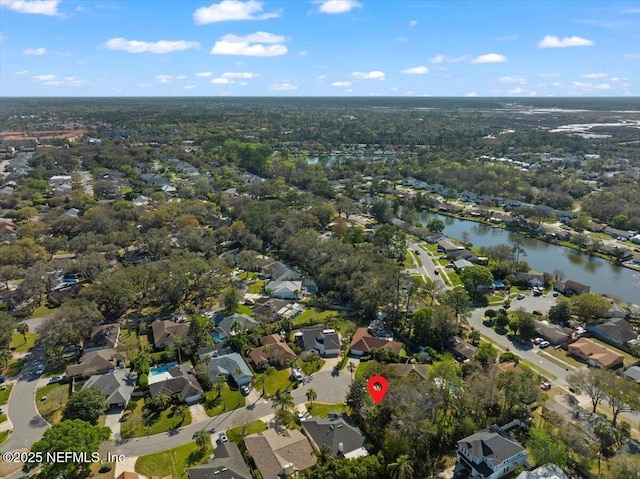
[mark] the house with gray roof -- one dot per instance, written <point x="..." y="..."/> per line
<point x="96" y="362"/>
<point x="227" y="463"/>
<point x="633" y="373"/>
<point x="616" y="331"/>
<point x="230" y="366"/>
<point x="547" y="471"/>
<point x="182" y="383"/>
<point x="103" y="336"/>
<point x="284" y="289"/>
<point x="228" y="325"/>
<point x="117" y="386"/>
<point x="344" y="439"/>
<point x="490" y="454"/>
<point x="323" y="341"/>
<point x="553" y="333"/>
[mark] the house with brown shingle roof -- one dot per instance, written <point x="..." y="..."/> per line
<point x="363" y="342"/>
<point x="279" y="454"/>
<point x="594" y="354"/>
<point x="165" y="332"/>
<point x="411" y="369"/>
<point x="96" y="362"/>
<point x="274" y="350"/>
<point x="103" y="336"/>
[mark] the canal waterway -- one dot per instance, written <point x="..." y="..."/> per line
<point x="601" y="275"/>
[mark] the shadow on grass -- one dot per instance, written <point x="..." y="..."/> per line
<point x="197" y="456"/>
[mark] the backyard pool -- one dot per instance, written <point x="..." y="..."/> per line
<point x="162" y="369"/>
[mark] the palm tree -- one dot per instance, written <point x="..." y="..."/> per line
<point x="5" y="356"/>
<point x="312" y="395"/>
<point x="401" y="469"/>
<point x="181" y="409"/>
<point x="352" y="367"/>
<point x="218" y="386"/>
<point x="203" y="439"/>
<point x="283" y="401"/>
<point x="324" y="454"/>
<point x="161" y="401"/>
<point x="23" y="328"/>
<point x="177" y="343"/>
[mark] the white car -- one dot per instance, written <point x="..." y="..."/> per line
<point x="520" y="296"/>
<point x="544" y="344"/>
<point x="297" y="375"/>
<point x="537" y="341"/>
<point x="223" y="438"/>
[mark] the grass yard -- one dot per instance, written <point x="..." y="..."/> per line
<point x="244" y="309"/>
<point x="227" y="401"/>
<point x="235" y="434"/>
<point x="323" y="409"/>
<point x="41" y="311"/>
<point x="555" y="360"/>
<point x="3" y="418"/>
<point x="409" y="260"/>
<point x="5" y="393"/>
<point x="137" y="424"/>
<point x="14" y="367"/>
<point x="3" y="436"/>
<point x="314" y="316"/>
<point x="257" y="286"/>
<point x="277" y="381"/>
<point x="563" y="356"/>
<point x="19" y="345"/>
<point x="173" y="462"/>
<point x="52" y="407"/>
<point x="310" y="367"/>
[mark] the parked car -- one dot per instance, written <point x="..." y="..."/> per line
<point x="555" y="294"/>
<point x="520" y="296"/>
<point x="545" y="344"/>
<point x="222" y="438"/>
<point x="244" y="390"/>
<point x="297" y="374"/>
<point x="57" y="379"/>
<point x="40" y="368"/>
<point x="436" y="272"/>
<point x="537" y="341"/>
<point x="545" y="386"/>
<point x="537" y="313"/>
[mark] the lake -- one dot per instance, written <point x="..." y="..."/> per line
<point x="601" y="275"/>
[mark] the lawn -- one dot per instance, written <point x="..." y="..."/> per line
<point x="19" y="345"/>
<point x="257" y="286"/>
<point x="52" y="407"/>
<point x="409" y="260"/>
<point x="244" y="309"/>
<point x="173" y="462"/>
<point x="323" y="409"/>
<point x="3" y="436"/>
<point x="3" y="418"/>
<point x="5" y="393"/>
<point x="227" y="401"/>
<point x="364" y="368"/>
<point x="235" y="434"/>
<point x="137" y="424"/>
<point x="41" y="311"/>
<point x="14" y="367"/>
<point x="563" y="356"/>
<point x="277" y="381"/>
<point x="314" y="315"/>
<point x="310" y="367"/>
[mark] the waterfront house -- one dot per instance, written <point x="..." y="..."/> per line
<point x="616" y="331"/>
<point x="573" y="287"/>
<point x="594" y="354"/>
<point x="490" y="454"/>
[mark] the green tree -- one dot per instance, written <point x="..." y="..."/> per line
<point x="231" y="299"/>
<point x="381" y="211"/>
<point x="474" y="277"/>
<point x="590" y="382"/>
<point x="546" y="448"/>
<point x="560" y="313"/>
<point x="23" y="328"/>
<point x="219" y="384"/>
<point x="435" y="225"/>
<point x="312" y="395"/>
<point x="324" y="453"/>
<point x="589" y="306"/>
<point x="71" y="436"/>
<point x="526" y="325"/>
<point x="162" y="401"/>
<point x="486" y="355"/>
<point x="283" y="401"/>
<point x="357" y="397"/>
<point x="352" y="368"/>
<point x="88" y="404"/>
<point x="458" y="300"/>
<point x="7" y="323"/>
<point x="401" y="469"/>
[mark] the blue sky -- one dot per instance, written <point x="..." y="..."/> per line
<point x="319" y="48"/>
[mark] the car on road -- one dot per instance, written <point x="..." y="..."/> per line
<point x="222" y="438"/>
<point x="544" y="344"/>
<point x="40" y="368"/>
<point x="300" y="415"/>
<point x="537" y="313"/>
<point x="555" y="294"/>
<point x="417" y="252"/>
<point x="520" y="296"/>
<point x="545" y="386"/>
<point x="436" y="272"/>
<point x="1" y="410"/>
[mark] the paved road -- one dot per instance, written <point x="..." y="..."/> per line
<point x="428" y="268"/>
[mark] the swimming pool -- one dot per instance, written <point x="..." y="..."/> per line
<point x="217" y="337"/>
<point x="161" y="369"/>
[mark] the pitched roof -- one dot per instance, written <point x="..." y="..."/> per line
<point x="493" y="445"/>
<point x="461" y="348"/>
<point x="311" y="335"/>
<point x="230" y="323"/>
<point x="272" y="451"/>
<point x="95" y="362"/>
<point x="128" y="475"/>
<point x="117" y="385"/>
<point x="181" y="383"/>
<point x="547" y="471"/>
<point x="363" y="341"/>
<point x="404" y="369"/>
<point x="598" y="353"/>
<point x="166" y="332"/>
<point x="103" y="336"/>
<point x="226" y="464"/>
<point x="274" y="350"/>
<point x="617" y="329"/>
<point x="553" y="332"/>
<point x="633" y="373"/>
<point x="280" y="271"/>
<point x="228" y="365"/>
<point x="343" y="438"/>
<point x="575" y="286"/>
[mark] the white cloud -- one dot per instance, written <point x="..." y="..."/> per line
<point x="595" y="75"/>
<point x="341" y="83"/>
<point x="471" y="94"/>
<point x="160" y="47"/>
<point x="229" y="10"/>
<point x="413" y="23"/>
<point x="373" y="75"/>
<point x="632" y="56"/>
<point x="67" y="81"/>
<point x="189" y="87"/>
<point x="34" y="51"/>
<point x="259" y="44"/>
<point x="322" y="77"/>
<point x="220" y="81"/>
<point x="631" y="10"/>
<point x="602" y="86"/>
<point x="164" y="78"/>
<point x="204" y="74"/>
<point x="181" y="77"/>
<point x="549" y="75"/>
<point x="63" y="54"/>
<point x="580" y="84"/>
<point x="515" y="91"/>
<point x="421" y="70"/>
<point x="333" y="7"/>
<point x="551" y="41"/>
<point x="45" y="77"/>
<point x="443" y="59"/>
<point x="303" y="53"/>
<point x="39" y="7"/>
<point x="283" y="86"/>
<point x="145" y="85"/>
<point x="238" y="75"/>
<point x="490" y="58"/>
<point x="513" y="79"/>
<point x="21" y="72"/>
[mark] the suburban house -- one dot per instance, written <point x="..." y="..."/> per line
<point x="325" y="342"/>
<point x="616" y="331"/>
<point x="176" y="382"/>
<point x="531" y="279"/>
<point x="461" y="264"/>
<point x="116" y="385"/>
<point x="228" y="325"/>
<point x="616" y="311"/>
<point x="96" y="362"/>
<point x="363" y="342"/>
<point x="344" y="439"/>
<point x="594" y="354"/>
<point x="277" y="455"/>
<point x="166" y="332"/>
<point x="411" y="369"/>
<point x="230" y="365"/>
<point x="446" y="246"/>
<point x="284" y="289"/>
<point x="547" y="471"/>
<point x="462" y="350"/>
<point x="553" y="333"/>
<point x="227" y="463"/>
<point x="274" y="350"/>
<point x="573" y="287"/>
<point x="633" y="373"/>
<point x="267" y="309"/>
<point x="278" y="271"/>
<point x="103" y="336"/>
<point x="490" y="454"/>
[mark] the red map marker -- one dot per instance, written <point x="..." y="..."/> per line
<point x="377" y="386"/>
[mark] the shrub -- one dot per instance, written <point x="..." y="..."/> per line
<point x="143" y="382"/>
